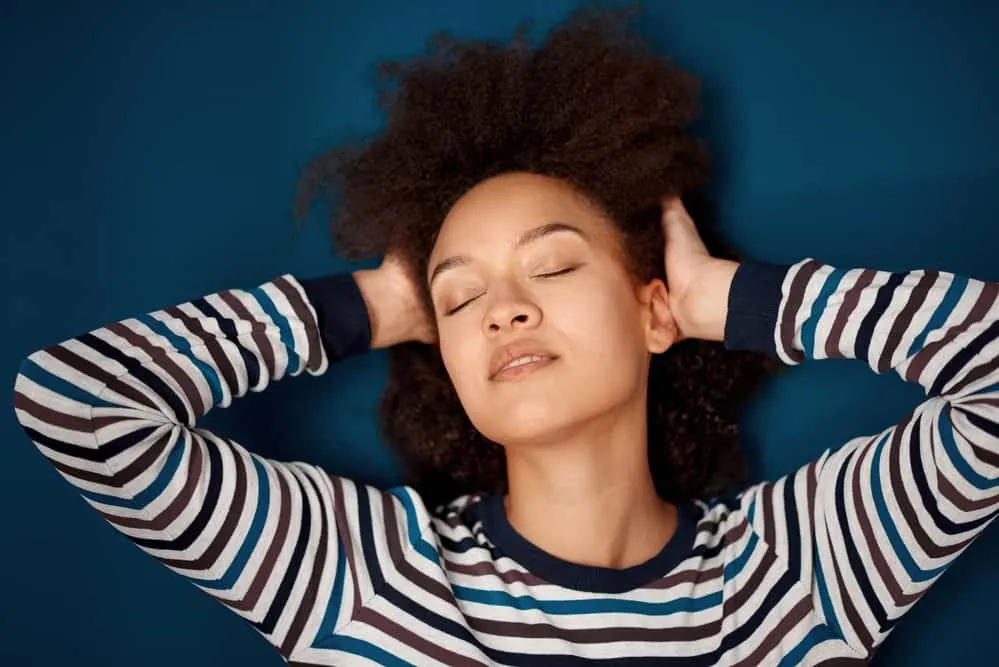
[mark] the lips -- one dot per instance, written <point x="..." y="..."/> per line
<point x="521" y="354"/>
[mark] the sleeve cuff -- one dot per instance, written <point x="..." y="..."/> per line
<point x="341" y="314"/>
<point x="753" y="306"/>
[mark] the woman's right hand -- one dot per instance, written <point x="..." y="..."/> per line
<point x="394" y="305"/>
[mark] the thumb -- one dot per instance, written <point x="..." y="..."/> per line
<point x="679" y="229"/>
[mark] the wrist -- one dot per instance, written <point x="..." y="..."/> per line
<point x="390" y="314"/>
<point x="707" y="304"/>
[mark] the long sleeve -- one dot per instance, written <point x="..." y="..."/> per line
<point x="115" y="412"/>
<point x="868" y="527"/>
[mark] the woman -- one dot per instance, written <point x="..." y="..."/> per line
<point x="520" y="269"/>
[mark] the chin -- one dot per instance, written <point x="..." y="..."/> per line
<point x="527" y="421"/>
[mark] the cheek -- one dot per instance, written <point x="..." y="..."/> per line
<point x="461" y="357"/>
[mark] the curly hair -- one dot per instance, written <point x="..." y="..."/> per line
<point x="594" y="106"/>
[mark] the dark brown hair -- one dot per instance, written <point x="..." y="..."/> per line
<point x="595" y="106"/>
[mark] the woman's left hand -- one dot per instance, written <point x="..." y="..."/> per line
<point x="698" y="283"/>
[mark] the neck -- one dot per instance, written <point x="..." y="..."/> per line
<point x="589" y="497"/>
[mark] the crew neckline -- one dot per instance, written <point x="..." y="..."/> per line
<point x="588" y="578"/>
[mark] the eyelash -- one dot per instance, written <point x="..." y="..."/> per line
<point x="553" y="274"/>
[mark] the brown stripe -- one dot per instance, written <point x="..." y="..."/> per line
<point x="302" y="312"/>
<point x="630" y="634"/>
<point x="306" y="607"/>
<point x="902" y="497"/>
<point x="263" y="574"/>
<point x="47" y="415"/>
<point x="398" y="557"/>
<point x="161" y="358"/>
<point x="863" y="516"/>
<point x="904" y="319"/>
<point x="257" y="334"/>
<point x="981" y="400"/>
<point x="733" y="604"/>
<point x="986" y="456"/>
<point x="795" y="299"/>
<point x="849" y="608"/>
<point x="844" y="662"/>
<point x="343" y="530"/>
<point x="783" y="628"/>
<point x="851" y="300"/>
<point x="228" y="527"/>
<point x="409" y="638"/>
<point x="811" y="491"/>
<point x="766" y="500"/>
<point x="923" y="357"/>
<point x="121" y="478"/>
<point x="92" y="370"/>
<point x="959" y="500"/>
<point x="488" y="569"/>
<point x="603" y="635"/>
<point x="212" y="344"/>
<point x="176" y="506"/>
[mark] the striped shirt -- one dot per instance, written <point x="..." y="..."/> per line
<point x="814" y="568"/>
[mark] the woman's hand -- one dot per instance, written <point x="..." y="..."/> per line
<point x="394" y="305"/>
<point x="698" y="283"/>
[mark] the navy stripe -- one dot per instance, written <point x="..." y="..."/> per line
<point x="930" y="501"/>
<point x="143" y="375"/>
<point x="213" y="473"/>
<point x="102" y="454"/>
<point x="228" y="327"/>
<point x="963" y="357"/>
<point x="298" y="555"/>
<point x="793" y="528"/>
<point x="876" y="314"/>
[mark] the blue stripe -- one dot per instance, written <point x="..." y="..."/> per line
<point x="957" y="458"/>
<point x="331" y="616"/>
<point x="183" y="346"/>
<point x="916" y="573"/>
<point x="423" y="547"/>
<point x="151" y="492"/>
<point x="856" y="563"/>
<point x="824" y="597"/>
<point x="944" y="309"/>
<point x="56" y="384"/>
<point x="811" y="325"/>
<point x="817" y="635"/>
<point x="228" y="580"/>
<point x="591" y="606"/>
<point x="734" y="567"/>
<point x="362" y="648"/>
<point x="287" y="339"/>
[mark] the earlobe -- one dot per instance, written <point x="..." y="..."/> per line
<point x="660" y="331"/>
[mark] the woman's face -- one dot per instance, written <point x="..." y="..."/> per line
<point x="541" y="326"/>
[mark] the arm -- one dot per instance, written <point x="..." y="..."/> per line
<point x="870" y="526"/>
<point x="115" y="412"/>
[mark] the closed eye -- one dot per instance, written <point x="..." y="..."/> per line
<point x="460" y="306"/>
<point x="553" y="274"/>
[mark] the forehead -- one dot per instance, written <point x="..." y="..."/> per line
<point x="497" y="210"/>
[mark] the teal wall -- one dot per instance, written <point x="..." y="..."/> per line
<point x="149" y="154"/>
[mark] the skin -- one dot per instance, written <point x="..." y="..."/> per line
<point x="573" y="428"/>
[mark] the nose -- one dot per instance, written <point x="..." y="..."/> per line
<point x="510" y="311"/>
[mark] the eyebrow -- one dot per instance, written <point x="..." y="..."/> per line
<point x="523" y="239"/>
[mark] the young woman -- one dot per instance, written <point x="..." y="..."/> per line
<point x="528" y="201"/>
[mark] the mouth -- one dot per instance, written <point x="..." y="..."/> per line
<point x="522" y="366"/>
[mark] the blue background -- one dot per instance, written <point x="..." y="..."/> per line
<point x="150" y="154"/>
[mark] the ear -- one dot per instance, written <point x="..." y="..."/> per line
<point x="661" y="331"/>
